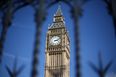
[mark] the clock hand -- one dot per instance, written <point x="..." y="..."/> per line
<point x="56" y="40"/>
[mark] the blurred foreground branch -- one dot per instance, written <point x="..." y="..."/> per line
<point x="15" y="72"/>
<point x="101" y="71"/>
<point x="111" y="7"/>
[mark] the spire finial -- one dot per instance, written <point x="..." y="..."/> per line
<point x="59" y="4"/>
<point x="59" y="11"/>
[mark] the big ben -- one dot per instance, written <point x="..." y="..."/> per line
<point x="57" y="52"/>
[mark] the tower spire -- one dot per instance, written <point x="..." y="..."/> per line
<point x="59" y="11"/>
<point x="58" y="18"/>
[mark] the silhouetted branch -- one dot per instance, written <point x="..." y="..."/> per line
<point x="3" y="4"/>
<point x="20" y="6"/>
<point x="109" y="6"/>
<point x="9" y="8"/>
<point x="9" y="71"/>
<point x="39" y="18"/>
<point x="94" y="68"/>
<point x="108" y="66"/>
<point x="15" y="72"/>
<point x="68" y="2"/>
<point x="6" y="21"/>
<point x="52" y="3"/>
<point x="23" y="4"/>
<point x="100" y="61"/>
<point x="76" y="12"/>
<point x="101" y="71"/>
<point x="111" y="11"/>
<point x="20" y="69"/>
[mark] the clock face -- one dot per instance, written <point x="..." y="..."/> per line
<point x="55" y="40"/>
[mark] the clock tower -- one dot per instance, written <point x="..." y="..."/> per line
<point x="57" y="52"/>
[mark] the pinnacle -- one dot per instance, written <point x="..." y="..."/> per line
<point x="59" y="11"/>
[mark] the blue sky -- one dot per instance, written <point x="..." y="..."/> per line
<point x="96" y="33"/>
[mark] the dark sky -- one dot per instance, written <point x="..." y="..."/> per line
<point x="96" y="34"/>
